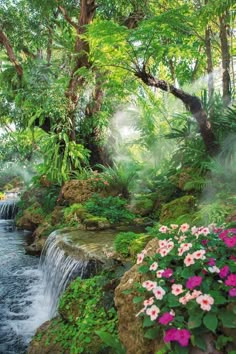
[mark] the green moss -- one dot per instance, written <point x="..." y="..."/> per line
<point x="177" y="208"/>
<point x="82" y="312"/>
<point x="130" y="243"/>
<point x="138" y="244"/>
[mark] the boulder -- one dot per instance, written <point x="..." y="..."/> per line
<point x="130" y="327"/>
<point x="76" y="191"/>
<point x="179" y="207"/>
<point x="32" y="217"/>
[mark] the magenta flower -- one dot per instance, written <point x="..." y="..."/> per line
<point x="230" y="242"/>
<point x="224" y="271"/>
<point x="232" y="292"/>
<point x="231" y="280"/>
<point x="167" y="273"/>
<point x="182" y="337"/>
<point x="165" y="318"/>
<point x="205" y="242"/>
<point x="170" y="335"/>
<point x="193" y="282"/>
<point x="211" y="262"/>
<point x="179" y="335"/>
<point x="233" y="258"/>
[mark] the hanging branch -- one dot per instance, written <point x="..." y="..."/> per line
<point x="192" y="103"/>
<point x="11" y="55"/>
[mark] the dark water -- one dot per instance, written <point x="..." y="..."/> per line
<point x="23" y="306"/>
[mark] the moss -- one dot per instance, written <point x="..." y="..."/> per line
<point x="177" y="208"/>
<point x="143" y="205"/>
<point x="96" y="222"/>
<point x="81" y="313"/>
<point x="138" y="244"/>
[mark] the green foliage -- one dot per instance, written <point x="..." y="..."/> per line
<point x="123" y="241"/>
<point x="112" y="208"/>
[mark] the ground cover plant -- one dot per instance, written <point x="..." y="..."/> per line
<point x="190" y="288"/>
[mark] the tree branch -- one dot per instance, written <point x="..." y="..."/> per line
<point x="5" y="42"/>
<point x="67" y="17"/>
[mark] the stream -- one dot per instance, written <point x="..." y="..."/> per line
<point x="23" y="306"/>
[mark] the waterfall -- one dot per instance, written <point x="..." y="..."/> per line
<point x="59" y="269"/>
<point x="8" y="209"/>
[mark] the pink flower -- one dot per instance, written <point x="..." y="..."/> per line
<point x="224" y="271"/>
<point x="196" y="293"/>
<point x="149" y="285"/>
<point x="170" y="335"/>
<point x="179" y="335"/>
<point x="159" y="273"/>
<point x="167" y="273"/>
<point x="163" y="252"/>
<point x="232" y="292"/>
<point x="199" y="254"/>
<point x="163" y="243"/>
<point x="233" y="258"/>
<point x="106" y="183"/>
<point x="140" y="257"/>
<point x="186" y="298"/>
<point x="231" y="280"/>
<point x="227" y="232"/>
<point x="194" y="230"/>
<point x="159" y="292"/>
<point x="165" y="318"/>
<point x="186" y="246"/>
<point x="153" y="312"/>
<point x="163" y="229"/>
<point x="177" y="289"/>
<point x="205" y="231"/>
<point x="205" y="302"/>
<point x="170" y="245"/>
<point x="211" y="262"/>
<point x="183" y="336"/>
<point x="189" y="260"/>
<point x="184" y="227"/>
<point x="154" y="266"/>
<point x="193" y="282"/>
<point x="230" y="242"/>
<point x="148" y="302"/>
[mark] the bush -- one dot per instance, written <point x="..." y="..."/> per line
<point x="123" y="241"/>
<point x="112" y="208"/>
<point x="190" y="289"/>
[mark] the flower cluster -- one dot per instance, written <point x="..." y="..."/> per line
<point x="191" y="282"/>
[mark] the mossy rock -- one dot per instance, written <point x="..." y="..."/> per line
<point x="142" y="205"/>
<point x="96" y="223"/>
<point x="137" y="245"/>
<point x="183" y="206"/>
<point x="81" y="314"/>
<point x="32" y="217"/>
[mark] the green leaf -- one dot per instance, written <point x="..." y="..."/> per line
<point x="228" y="319"/>
<point x="137" y="299"/>
<point x="151" y="333"/>
<point x="195" y="320"/>
<point x="222" y="341"/>
<point x="143" y="269"/>
<point x="147" y="322"/>
<point x="187" y="273"/>
<point x="127" y="292"/>
<point x="210" y="321"/>
<point x="199" y="341"/>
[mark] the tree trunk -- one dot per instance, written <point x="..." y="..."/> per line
<point x="225" y="57"/>
<point x="192" y="103"/>
<point x="210" y="78"/>
<point x="87" y="12"/>
<point x="5" y="42"/>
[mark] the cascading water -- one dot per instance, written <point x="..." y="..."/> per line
<point x="59" y="269"/>
<point x="8" y="209"/>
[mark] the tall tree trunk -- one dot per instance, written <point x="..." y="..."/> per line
<point x="225" y="57"/>
<point x="86" y="15"/>
<point x="192" y="103"/>
<point x="210" y="78"/>
<point x="11" y="55"/>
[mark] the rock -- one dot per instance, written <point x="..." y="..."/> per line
<point x="182" y="206"/>
<point x="96" y="223"/>
<point x="142" y="205"/>
<point x="57" y="215"/>
<point x="130" y="327"/>
<point x="39" y="238"/>
<point x="76" y="191"/>
<point x="42" y="343"/>
<point x="32" y="217"/>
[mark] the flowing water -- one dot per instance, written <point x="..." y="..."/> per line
<point x="23" y="306"/>
<point x="29" y="287"/>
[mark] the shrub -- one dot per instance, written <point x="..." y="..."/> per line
<point x="123" y="241"/>
<point x="190" y="289"/>
<point x="112" y="208"/>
